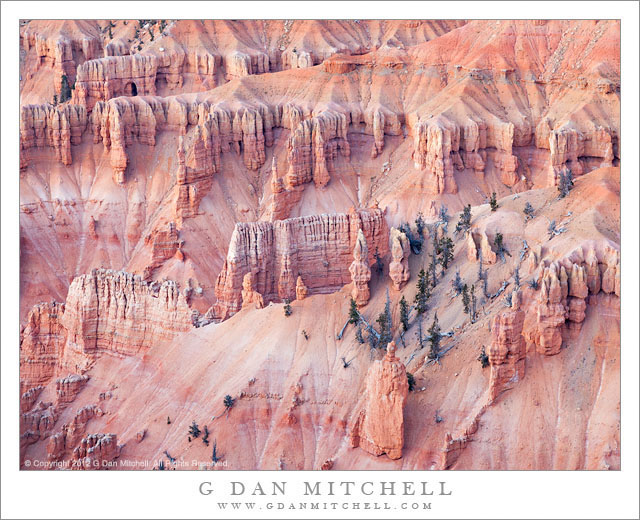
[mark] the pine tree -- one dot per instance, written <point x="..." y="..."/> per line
<point x="420" y="224"/>
<point x="493" y="202"/>
<point x="434" y="338"/>
<point x="194" y="431"/>
<point x="464" y="223"/>
<point x="110" y="34"/>
<point x="483" y="358"/>
<point x="205" y="436"/>
<point x="55" y="100"/>
<point x="432" y="269"/>
<point x="411" y="380"/>
<point x="457" y="283"/>
<point x="422" y="296"/>
<point x="528" y="211"/>
<point x="473" y="304"/>
<point x="228" y="402"/>
<point x="287" y="308"/>
<point x="446" y="252"/>
<point x="465" y="298"/>
<point x="354" y="314"/>
<point x="65" y="89"/>
<point x="151" y="34"/>
<point x="404" y="314"/>
<point x="379" y="263"/>
<point x="215" y="457"/>
<point x="516" y="276"/>
<point x="498" y="242"/>
<point x="565" y="183"/>
<point x="384" y="320"/>
<point x="443" y="215"/>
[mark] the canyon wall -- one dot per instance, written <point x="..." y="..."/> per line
<point x="106" y="311"/>
<point x="317" y="248"/>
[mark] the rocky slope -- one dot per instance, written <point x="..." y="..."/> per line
<point x="202" y="174"/>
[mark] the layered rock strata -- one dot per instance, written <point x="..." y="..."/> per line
<point x="508" y="349"/>
<point x="318" y="248"/>
<point x="105" y="312"/>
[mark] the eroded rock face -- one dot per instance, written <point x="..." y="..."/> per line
<point x="360" y="271"/>
<point x="54" y="127"/>
<point x="301" y="289"/>
<point x="97" y="450"/>
<point x="68" y="388"/>
<point x="250" y="298"/>
<point x="41" y="344"/>
<point x="551" y="313"/>
<point x="105" y="311"/>
<point x="119" y="313"/>
<point x="379" y="426"/>
<point x="478" y="247"/>
<point x="105" y="78"/>
<point x="318" y="248"/>
<point x="566" y="287"/>
<point x="165" y="244"/>
<point x="64" y="442"/>
<point x="508" y="349"/>
<point x="399" y="266"/>
<point x="313" y="146"/>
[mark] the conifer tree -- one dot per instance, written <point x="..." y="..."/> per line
<point x="420" y="224"/>
<point x="194" y="431"/>
<point x="465" y="298"/>
<point x="464" y="223"/>
<point x="457" y="283"/>
<point x="215" y="456"/>
<point x="422" y="296"/>
<point x="474" y="303"/>
<point x="65" y="89"/>
<point x="287" y="308"/>
<point x="432" y="269"/>
<point x="354" y="314"/>
<point x="493" y="202"/>
<point x="446" y="252"/>
<point x="384" y="320"/>
<point x="379" y="262"/>
<point x="411" y="380"/>
<point x="404" y="314"/>
<point x="483" y="358"/>
<point x="434" y="338"/>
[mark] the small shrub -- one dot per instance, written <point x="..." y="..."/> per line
<point x="194" y="431"/>
<point x="228" y="402"/>
<point x="483" y="358"/>
<point x="528" y="211"/>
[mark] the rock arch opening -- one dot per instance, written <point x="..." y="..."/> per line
<point x="131" y="89"/>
